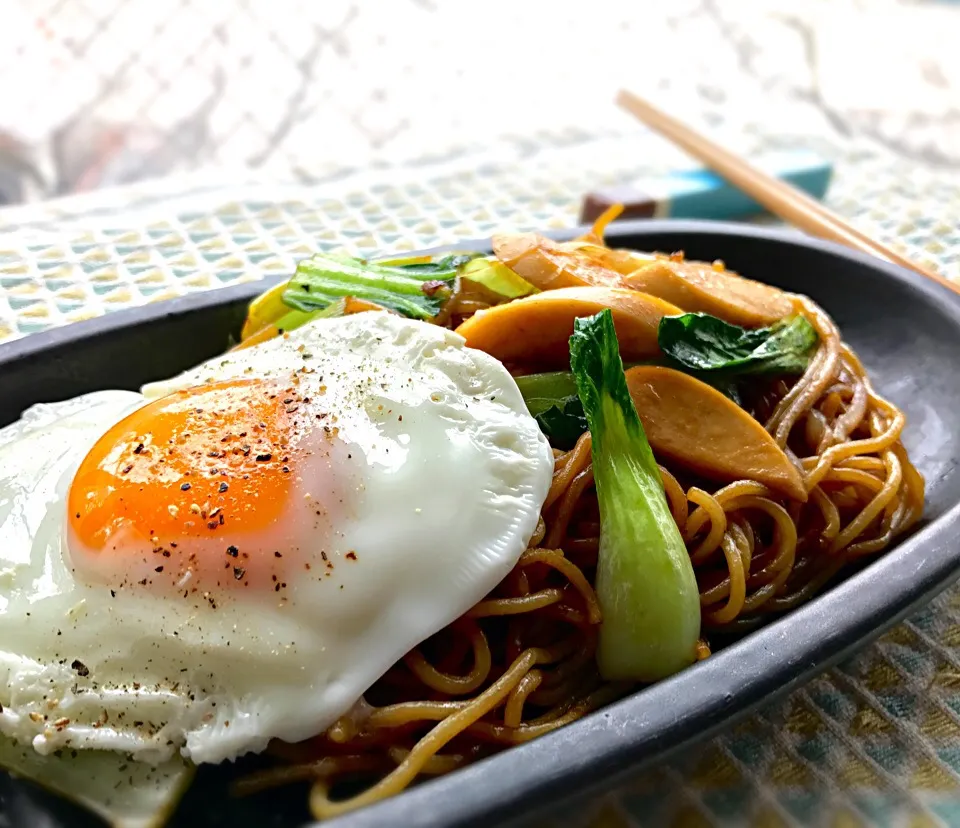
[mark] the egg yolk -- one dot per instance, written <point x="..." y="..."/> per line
<point x="184" y="481"/>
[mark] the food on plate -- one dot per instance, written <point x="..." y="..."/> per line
<point x="425" y="509"/>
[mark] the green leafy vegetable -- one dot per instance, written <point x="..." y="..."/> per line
<point x="495" y="276"/>
<point x="295" y="318"/>
<point x="544" y="391"/>
<point x="705" y="345"/>
<point x="417" y="290"/>
<point x="415" y="287"/>
<point x="645" y="582"/>
<point x="552" y="400"/>
<point x="563" y="424"/>
<point x="430" y="266"/>
<point x="486" y="271"/>
<point x="333" y="310"/>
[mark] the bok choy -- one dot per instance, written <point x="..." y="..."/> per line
<point x="553" y="401"/>
<point x="416" y="287"/>
<point x="703" y="344"/>
<point x="645" y="582"/>
<point x="417" y="291"/>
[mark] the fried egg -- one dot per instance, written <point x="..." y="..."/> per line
<point x="236" y="554"/>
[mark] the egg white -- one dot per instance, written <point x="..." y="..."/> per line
<point x="446" y="472"/>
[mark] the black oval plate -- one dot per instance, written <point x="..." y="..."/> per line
<point x="906" y="330"/>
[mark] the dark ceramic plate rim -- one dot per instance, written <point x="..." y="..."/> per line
<point x="594" y="752"/>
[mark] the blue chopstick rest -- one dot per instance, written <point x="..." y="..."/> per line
<point x="702" y="194"/>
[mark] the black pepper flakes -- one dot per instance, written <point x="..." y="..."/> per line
<point x="82" y="670"/>
<point x="223" y="487"/>
<point x="239" y="572"/>
<point x="184" y="487"/>
<point x="232" y="551"/>
<point x="138" y="449"/>
<point x="264" y="458"/>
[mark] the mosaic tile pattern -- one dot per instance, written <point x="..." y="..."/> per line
<point x="875" y="741"/>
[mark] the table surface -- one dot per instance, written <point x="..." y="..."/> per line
<point x="875" y="741"/>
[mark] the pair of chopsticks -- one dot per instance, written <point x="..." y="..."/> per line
<point x="780" y="198"/>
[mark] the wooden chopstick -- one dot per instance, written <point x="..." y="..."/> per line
<point x="777" y="196"/>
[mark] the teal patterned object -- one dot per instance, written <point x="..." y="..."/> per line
<point x="700" y="193"/>
<point x="873" y="742"/>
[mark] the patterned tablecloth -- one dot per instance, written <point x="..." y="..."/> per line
<point x="875" y="741"/>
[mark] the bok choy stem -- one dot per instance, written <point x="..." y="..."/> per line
<point x="321" y="280"/>
<point x="645" y="582"/>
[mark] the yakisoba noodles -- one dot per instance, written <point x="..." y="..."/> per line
<point x="521" y="663"/>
